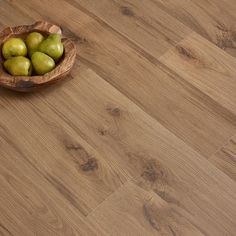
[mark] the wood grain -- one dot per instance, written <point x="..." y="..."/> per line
<point x="108" y="122"/>
<point x="151" y="83"/>
<point x="141" y="138"/>
<point x="72" y="160"/>
<point x="148" y="26"/>
<point x="135" y="211"/>
<point x="209" y="68"/>
<point x="225" y="158"/>
<point x="214" y="20"/>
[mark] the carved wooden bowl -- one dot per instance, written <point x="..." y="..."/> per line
<point x="30" y="83"/>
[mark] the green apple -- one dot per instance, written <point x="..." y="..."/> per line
<point x="42" y="63"/>
<point x="33" y="41"/>
<point x="14" y="47"/>
<point x="52" y="46"/>
<point x="18" y="66"/>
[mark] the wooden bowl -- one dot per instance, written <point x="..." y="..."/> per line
<point x="29" y="83"/>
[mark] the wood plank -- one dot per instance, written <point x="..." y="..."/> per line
<point x="29" y="203"/>
<point x="141" y="22"/>
<point x="189" y="113"/>
<point x="214" y="19"/>
<point x="77" y="177"/>
<point x="225" y="158"/>
<point x="73" y="165"/>
<point x="135" y="211"/>
<point x="68" y="153"/>
<point x="111" y="124"/>
<point x="7" y="19"/>
<point x="208" y="68"/>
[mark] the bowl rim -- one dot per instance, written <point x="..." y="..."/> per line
<point x="27" y="82"/>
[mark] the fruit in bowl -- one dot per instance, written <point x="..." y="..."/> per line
<point x="43" y="54"/>
<point x="14" y="47"/>
<point x="42" y="63"/>
<point x="18" y="66"/>
<point x="33" y="41"/>
<point x="52" y="46"/>
<point x="16" y="74"/>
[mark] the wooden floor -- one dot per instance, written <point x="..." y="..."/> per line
<point x="141" y="138"/>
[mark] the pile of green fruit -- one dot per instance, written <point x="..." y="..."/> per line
<point x="43" y="54"/>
